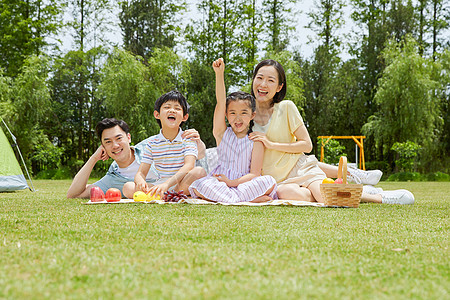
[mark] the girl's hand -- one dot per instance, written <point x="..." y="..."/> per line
<point x="191" y="134"/>
<point x="219" y="66"/>
<point x="260" y="137"/>
<point x="223" y="178"/>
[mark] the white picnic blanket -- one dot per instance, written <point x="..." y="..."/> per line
<point x="204" y="202"/>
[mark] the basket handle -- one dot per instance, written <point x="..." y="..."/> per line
<point x="342" y="169"/>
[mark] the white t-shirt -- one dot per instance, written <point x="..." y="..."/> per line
<point x="131" y="170"/>
<point x="261" y="128"/>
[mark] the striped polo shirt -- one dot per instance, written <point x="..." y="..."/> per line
<point x="168" y="156"/>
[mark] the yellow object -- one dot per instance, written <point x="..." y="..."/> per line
<point x="140" y="196"/>
<point x="152" y="197"/>
<point x="328" y="180"/>
<point x="358" y="140"/>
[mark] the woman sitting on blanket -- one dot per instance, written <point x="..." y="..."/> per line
<point x="237" y="176"/>
<point x="279" y="126"/>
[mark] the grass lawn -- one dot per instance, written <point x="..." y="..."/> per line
<point x="57" y="248"/>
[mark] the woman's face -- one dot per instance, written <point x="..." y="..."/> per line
<point x="266" y="84"/>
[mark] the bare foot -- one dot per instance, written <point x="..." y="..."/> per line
<point x="261" y="199"/>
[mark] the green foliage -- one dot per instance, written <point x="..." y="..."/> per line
<point x="406" y="176"/>
<point x="406" y="97"/>
<point x="278" y="18"/>
<point x="147" y="25"/>
<point x="45" y="155"/>
<point x="333" y="150"/>
<point x="130" y="88"/>
<point x="415" y="176"/>
<point x="25" y="28"/>
<point x="406" y="155"/>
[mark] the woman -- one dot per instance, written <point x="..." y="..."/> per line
<point x="279" y="126"/>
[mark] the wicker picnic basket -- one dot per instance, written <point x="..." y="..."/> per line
<point x="343" y="195"/>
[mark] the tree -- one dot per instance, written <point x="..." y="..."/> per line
<point x="24" y="27"/>
<point x="408" y="107"/>
<point x="130" y="87"/>
<point x="150" y="24"/>
<point x="229" y="29"/>
<point x="279" y="16"/>
<point x="88" y="22"/>
<point x="77" y="102"/>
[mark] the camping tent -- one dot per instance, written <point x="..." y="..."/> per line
<point x="11" y="176"/>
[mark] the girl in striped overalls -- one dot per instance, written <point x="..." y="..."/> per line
<point x="237" y="177"/>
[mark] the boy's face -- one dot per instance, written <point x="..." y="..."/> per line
<point x="116" y="143"/>
<point x="171" y="114"/>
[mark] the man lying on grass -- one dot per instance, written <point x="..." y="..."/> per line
<point x="115" y="143"/>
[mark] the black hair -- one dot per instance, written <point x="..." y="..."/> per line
<point x="243" y="96"/>
<point x="172" y="96"/>
<point x="110" y="123"/>
<point x="279" y="96"/>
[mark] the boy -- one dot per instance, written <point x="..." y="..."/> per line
<point x="172" y="157"/>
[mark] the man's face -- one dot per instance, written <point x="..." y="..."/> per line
<point x="116" y="143"/>
<point x="171" y="114"/>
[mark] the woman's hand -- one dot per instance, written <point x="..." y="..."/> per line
<point x="260" y="137"/>
<point x="195" y="136"/>
<point x="191" y="134"/>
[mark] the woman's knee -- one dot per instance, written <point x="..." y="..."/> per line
<point x="294" y="192"/>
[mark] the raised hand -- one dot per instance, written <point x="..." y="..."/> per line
<point x="219" y="65"/>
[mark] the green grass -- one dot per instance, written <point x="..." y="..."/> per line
<point x="57" y="248"/>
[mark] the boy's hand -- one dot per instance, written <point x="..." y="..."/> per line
<point x="219" y="66"/>
<point x="159" y="189"/>
<point x="100" y="154"/>
<point x="142" y="186"/>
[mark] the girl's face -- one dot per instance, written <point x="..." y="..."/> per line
<point x="239" y="115"/>
<point x="266" y="84"/>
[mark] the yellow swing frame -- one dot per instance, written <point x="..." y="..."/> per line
<point x="358" y="140"/>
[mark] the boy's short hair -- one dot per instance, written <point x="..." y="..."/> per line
<point x="172" y="96"/>
<point x="110" y="123"/>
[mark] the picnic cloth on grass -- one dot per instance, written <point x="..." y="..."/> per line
<point x="204" y="202"/>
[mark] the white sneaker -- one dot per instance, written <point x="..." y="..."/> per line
<point x="365" y="177"/>
<point x="397" y="197"/>
<point x="369" y="189"/>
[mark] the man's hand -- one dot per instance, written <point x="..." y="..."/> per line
<point x="100" y="154"/>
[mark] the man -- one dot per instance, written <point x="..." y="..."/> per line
<point x="115" y="143"/>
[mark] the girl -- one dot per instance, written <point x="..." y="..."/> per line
<point x="237" y="176"/>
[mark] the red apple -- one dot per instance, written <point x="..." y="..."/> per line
<point x="339" y="180"/>
<point x="113" y="195"/>
<point x="97" y="194"/>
